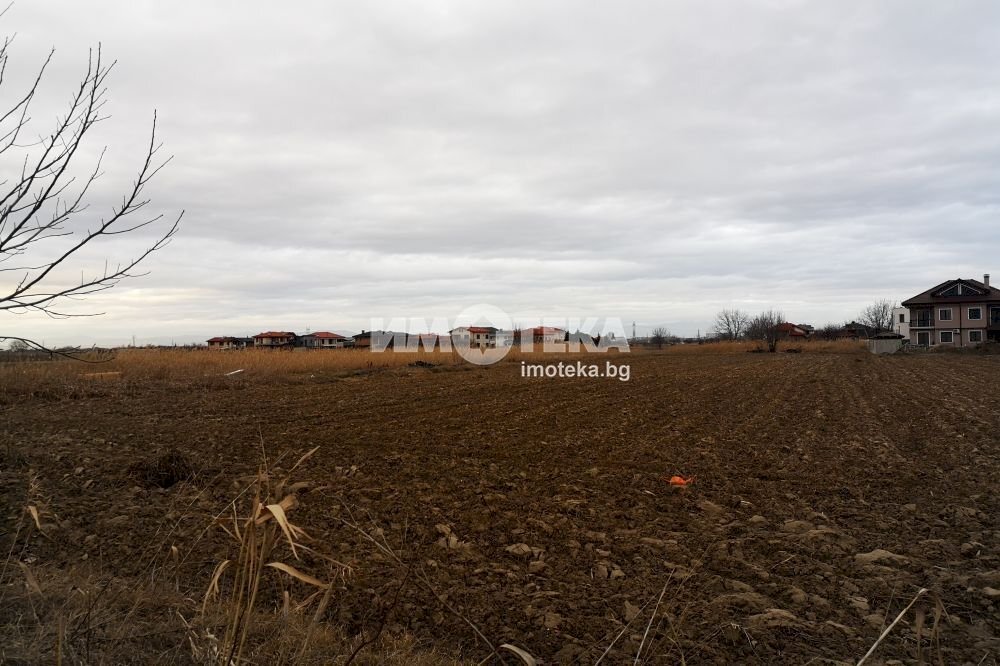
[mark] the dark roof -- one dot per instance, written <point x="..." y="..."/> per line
<point x="790" y="329"/>
<point x="379" y="334"/>
<point x="853" y="328"/>
<point x="932" y="297"/>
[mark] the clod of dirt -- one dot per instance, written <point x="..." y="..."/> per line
<point x="798" y="596"/>
<point x="847" y="631"/>
<point x="167" y="469"/>
<point x="519" y="549"/>
<point x="860" y="603"/>
<point x="423" y="364"/>
<point x="522" y="549"/>
<point x="879" y="555"/>
<point x="552" y="620"/>
<point x="774" y="618"/>
<point x="797" y="526"/>
<point x="710" y="508"/>
<point x="875" y="620"/>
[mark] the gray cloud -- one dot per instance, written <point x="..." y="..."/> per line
<point x="653" y="161"/>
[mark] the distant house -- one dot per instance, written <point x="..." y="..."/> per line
<point x="274" y="339"/>
<point x="956" y="313"/>
<point x="856" y="331"/>
<point x="787" y="331"/>
<point x="378" y="340"/>
<point x="541" y="335"/>
<point x="218" y="343"/>
<point x="229" y="342"/>
<point x="475" y="336"/>
<point x="362" y="339"/>
<point x="322" y="340"/>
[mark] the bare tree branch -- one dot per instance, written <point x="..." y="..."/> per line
<point x="26" y="344"/>
<point x="43" y="211"/>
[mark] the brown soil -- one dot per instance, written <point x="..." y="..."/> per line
<point x="828" y="490"/>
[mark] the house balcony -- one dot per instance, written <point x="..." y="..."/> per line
<point x="922" y="322"/>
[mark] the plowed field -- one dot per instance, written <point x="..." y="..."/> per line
<point x="829" y="489"/>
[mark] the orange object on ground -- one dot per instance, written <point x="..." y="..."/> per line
<point x="680" y="481"/>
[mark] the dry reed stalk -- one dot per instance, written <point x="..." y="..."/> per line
<point x="261" y="533"/>
<point x="888" y="629"/>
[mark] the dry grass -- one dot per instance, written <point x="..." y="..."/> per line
<point x="809" y="347"/>
<point x="128" y="369"/>
<point x="265" y="603"/>
<point x="265" y="532"/>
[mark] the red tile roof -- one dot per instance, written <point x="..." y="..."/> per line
<point x="275" y="334"/>
<point x="790" y="329"/>
<point x="327" y="335"/>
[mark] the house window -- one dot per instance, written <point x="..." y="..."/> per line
<point x="975" y="336"/>
<point x="944" y="314"/>
<point x="902" y="318"/>
<point x="975" y="314"/>
<point x="946" y="337"/>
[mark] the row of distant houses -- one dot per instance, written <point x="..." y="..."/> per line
<point x="850" y="331"/>
<point x="474" y="336"/>
<point x="959" y="313"/>
<point x="283" y="339"/>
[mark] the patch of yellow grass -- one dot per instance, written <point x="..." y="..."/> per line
<point x="132" y="367"/>
<point x="126" y="369"/>
<point x="741" y="347"/>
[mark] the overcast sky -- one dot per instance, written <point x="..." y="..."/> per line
<point x="653" y="161"/>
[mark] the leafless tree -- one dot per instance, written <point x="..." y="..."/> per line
<point x="44" y="220"/>
<point x="878" y="316"/>
<point x="659" y="337"/>
<point x="731" y="324"/>
<point x="830" y="331"/>
<point x="17" y="346"/>
<point x="764" y="329"/>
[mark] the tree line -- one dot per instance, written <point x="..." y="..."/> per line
<point x="736" y="324"/>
